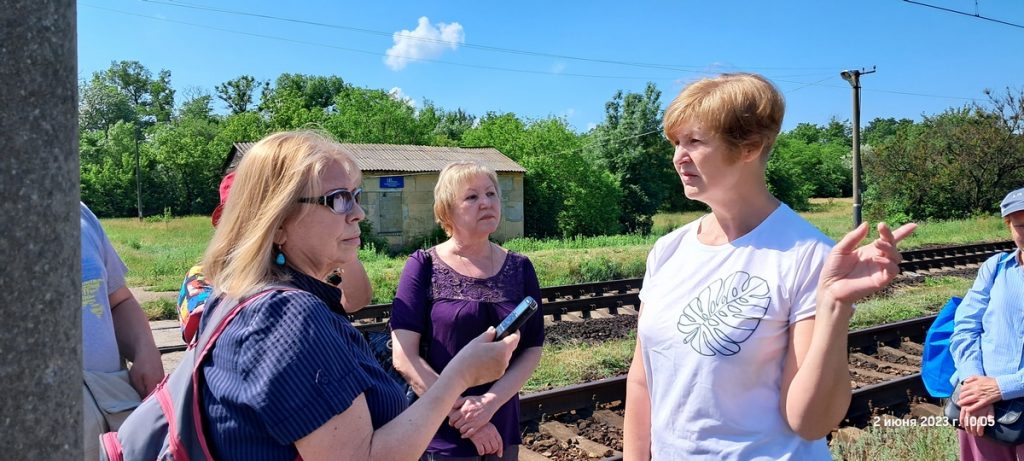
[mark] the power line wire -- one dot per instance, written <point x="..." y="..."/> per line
<point x="373" y="53"/>
<point x="497" y="68"/>
<point x="438" y="61"/>
<point x="973" y="15"/>
<point x="679" y="68"/>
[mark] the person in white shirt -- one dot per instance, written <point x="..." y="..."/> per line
<point x="741" y="342"/>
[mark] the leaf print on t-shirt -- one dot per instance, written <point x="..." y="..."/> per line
<point x="725" y="314"/>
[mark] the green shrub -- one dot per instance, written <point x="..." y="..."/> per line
<point x="954" y="165"/>
<point x="424" y="241"/>
<point x="160" y="309"/>
<point x="600" y="268"/>
<point x="370" y="240"/>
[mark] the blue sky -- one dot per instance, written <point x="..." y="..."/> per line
<point x="567" y="59"/>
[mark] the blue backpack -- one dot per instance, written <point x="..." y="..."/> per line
<point x="937" y="367"/>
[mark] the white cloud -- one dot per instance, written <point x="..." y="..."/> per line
<point x="425" y="42"/>
<point x="558" y="67"/>
<point x="569" y="112"/>
<point x="397" y="94"/>
<point x="591" y="126"/>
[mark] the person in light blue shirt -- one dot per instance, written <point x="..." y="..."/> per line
<point x="988" y="341"/>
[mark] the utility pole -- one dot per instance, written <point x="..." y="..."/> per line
<point x="138" y="171"/>
<point x="853" y="76"/>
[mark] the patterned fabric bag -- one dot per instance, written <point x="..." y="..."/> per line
<point x="191" y="301"/>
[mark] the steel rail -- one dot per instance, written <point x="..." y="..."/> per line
<point x="913" y="261"/>
<point x="535" y="406"/>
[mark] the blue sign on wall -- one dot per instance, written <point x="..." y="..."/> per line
<point x="392" y="182"/>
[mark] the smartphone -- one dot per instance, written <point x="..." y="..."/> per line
<point x="516" y="319"/>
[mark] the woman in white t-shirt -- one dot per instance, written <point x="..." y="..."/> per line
<point x="741" y="344"/>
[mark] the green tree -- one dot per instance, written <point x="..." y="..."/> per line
<point x="199" y="107"/>
<point x="150" y="101"/>
<point x="300" y="101"/>
<point x="564" y="195"/>
<point x="951" y="165"/>
<point x="501" y="131"/>
<point x="452" y="124"/>
<point x="822" y="164"/>
<point x="101" y="105"/>
<point x="133" y="80"/>
<point x="363" y="115"/>
<point x="238" y="93"/>
<point x="187" y="164"/>
<point x="108" y="169"/>
<point x="785" y="173"/>
<point x="881" y="129"/>
<point x="630" y="144"/>
<point x="161" y="97"/>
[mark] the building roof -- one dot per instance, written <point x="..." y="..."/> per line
<point x="404" y="158"/>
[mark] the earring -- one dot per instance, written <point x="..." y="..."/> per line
<point x="279" y="259"/>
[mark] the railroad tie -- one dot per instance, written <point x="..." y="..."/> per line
<point x="871" y="374"/>
<point x="564" y="434"/>
<point x="914" y="347"/>
<point x="526" y="454"/>
<point x="881" y="364"/>
<point x="898" y="353"/>
<point x="609" y="418"/>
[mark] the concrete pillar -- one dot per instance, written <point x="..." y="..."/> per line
<point x="40" y="279"/>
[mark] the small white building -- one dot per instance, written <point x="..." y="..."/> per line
<point x="398" y="185"/>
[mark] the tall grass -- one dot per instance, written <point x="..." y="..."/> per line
<point x="568" y="364"/>
<point x="900" y="443"/>
<point x="527" y="244"/>
<point x="158" y="253"/>
<point x="910" y="301"/>
<point x="834" y="217"/>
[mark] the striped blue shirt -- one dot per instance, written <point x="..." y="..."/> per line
<point x="285" y="366"/>
<point x="988" y="336"/>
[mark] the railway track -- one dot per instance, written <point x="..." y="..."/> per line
<point x="598" y="298"/>
<point x="952" y="256"/>
<point x="559" y="421"/>
<point x="602" y="299"/>
<point x="884" y="366"/>
<point x="562" y="423"/>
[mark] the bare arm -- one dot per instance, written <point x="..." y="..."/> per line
<point x="816" y="376"/>
<point x="407" y="361"/>
<point x="815" y="390"/>
<point x="636" y="438"/>
<point x="356" y="292"/>
<point x="350" y="434"/>
<point x="476" y="411"/>
<point x="135" y="341"/>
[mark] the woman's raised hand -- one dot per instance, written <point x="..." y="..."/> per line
<point x="851" y="273"/>
<point x="483" y="360"/>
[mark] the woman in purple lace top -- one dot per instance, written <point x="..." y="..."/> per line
<point x="451" y="293"/>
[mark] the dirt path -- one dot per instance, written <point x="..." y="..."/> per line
<point x="143" y="296"/>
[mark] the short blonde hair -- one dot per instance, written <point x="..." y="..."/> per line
<point x="739" y="108"/>
<point x="273" y="175"/>
<point x="453" y="176"/>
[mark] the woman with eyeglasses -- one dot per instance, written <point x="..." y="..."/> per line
<point x="741" y="340"/>
<point x="351" y="278"/>
<point x="449" y="294"/>
<point x="290" y="376"/>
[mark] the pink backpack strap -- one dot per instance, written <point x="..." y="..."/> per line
<point x="191" y="443"/>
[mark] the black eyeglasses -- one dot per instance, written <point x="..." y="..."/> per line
<point x="340" y="201"/>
